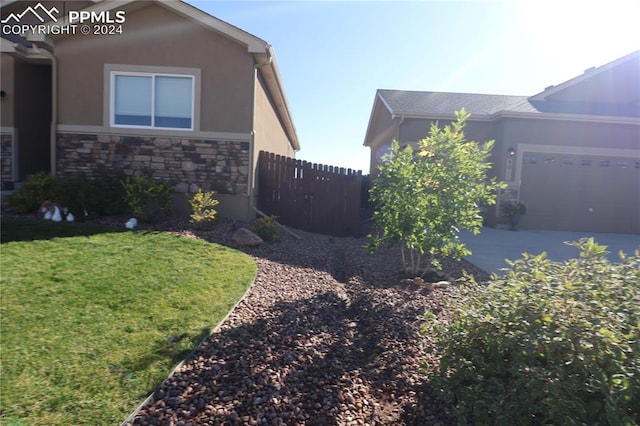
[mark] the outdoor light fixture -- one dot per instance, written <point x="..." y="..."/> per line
<point x="511" y="152"/>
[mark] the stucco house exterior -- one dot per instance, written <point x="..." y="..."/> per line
<point x="570" y="153"/>
<point x="135" y="86"/>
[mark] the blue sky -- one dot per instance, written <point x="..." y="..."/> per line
<point x="334" y="55"/>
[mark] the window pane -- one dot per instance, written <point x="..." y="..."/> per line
<point x="133" y="100"/>
<point x="174" y="101"/>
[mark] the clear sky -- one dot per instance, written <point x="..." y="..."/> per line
<point x="334" y="55"/>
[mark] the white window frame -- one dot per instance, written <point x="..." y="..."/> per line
<point x="153" y="77"/>
<point x="113" y="70"/>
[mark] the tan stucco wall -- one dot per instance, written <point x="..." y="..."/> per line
<point x="7" y="84"/>
<point x="269" y="132"/>
<point x="382" y="130"/>
<point x="413" y="129"/>
<point x="155" y="36"/>
<point x="269" y="135"/>
<point x="573" y="133"/>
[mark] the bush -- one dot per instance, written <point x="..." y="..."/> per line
<point x="147" y="198"/>
<point x="102" y="195"/>
<point x="268" y="229"/>
<point x="109" y="196"/>
<point x="425" y="197"/>
<point x="550" y="343"/>
<point x="77" y="194"/>
<point x="203" y="208"/>
<point x="34" y="191"/>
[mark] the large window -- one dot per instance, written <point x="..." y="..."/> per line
<point x="152" y="100"/>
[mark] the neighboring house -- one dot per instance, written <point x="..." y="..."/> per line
<point x="570" y="153"/>
<point x="155" y="86"/>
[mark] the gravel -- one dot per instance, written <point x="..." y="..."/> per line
<point x="326" y="335"/>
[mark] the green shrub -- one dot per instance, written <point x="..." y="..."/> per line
<point x="424" y="197"/>
<point x="203" y="210"/>
<point x="76" y="194"/>
<point x="101" y="195"/>
<point x="268" y="229"/>
<point x="147" y="198"/>
<point x="34" y="191"/>
<point x="550" y="343"/>
<point x="109" y="196"/>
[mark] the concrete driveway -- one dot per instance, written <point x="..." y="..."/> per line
<point x="492" y="246"/>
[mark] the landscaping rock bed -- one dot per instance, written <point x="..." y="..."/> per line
<point x="325" y="335"/>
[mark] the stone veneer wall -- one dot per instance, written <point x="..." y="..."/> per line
<point x="187" y="164"/>
<point x="6" y="161"/>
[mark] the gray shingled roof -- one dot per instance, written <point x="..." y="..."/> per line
<point x="402" y="102"/>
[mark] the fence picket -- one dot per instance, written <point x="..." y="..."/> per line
<point x="309" y="196"/>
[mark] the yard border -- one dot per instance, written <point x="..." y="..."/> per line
<point x="215" y="330"/>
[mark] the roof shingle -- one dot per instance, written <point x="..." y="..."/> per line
<point x="414" y="103"/>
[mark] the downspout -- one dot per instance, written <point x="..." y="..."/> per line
<point x="250" y="187"/>
<point x="399" y="125"/>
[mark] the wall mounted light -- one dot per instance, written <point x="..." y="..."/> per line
<point x="511" y="151"/>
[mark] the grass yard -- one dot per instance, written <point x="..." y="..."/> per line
<point x="93" y="319"/>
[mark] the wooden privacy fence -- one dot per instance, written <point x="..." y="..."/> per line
<point x="310" y="197"/>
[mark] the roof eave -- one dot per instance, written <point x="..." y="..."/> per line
<point x="373" y="109"/>
<point x="567" y="117"/>
<point x="254" y="44"/>
<point x="275" y="86"/>
<point x="531" y="115"/>
<point x="589" y="73"/>
<point x="446" y="116"/>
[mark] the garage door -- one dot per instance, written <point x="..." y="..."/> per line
<point x="580" y="193"/>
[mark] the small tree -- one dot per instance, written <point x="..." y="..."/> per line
<point x="203" y="205"/>
<point x="425" y="197"/>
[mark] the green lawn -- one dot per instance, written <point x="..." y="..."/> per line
<point x="91" y="324"/>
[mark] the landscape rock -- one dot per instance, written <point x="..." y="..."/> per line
<point x="245" y="237"/>
<point x="442" y="284"/>
<point x="325" y="336"/>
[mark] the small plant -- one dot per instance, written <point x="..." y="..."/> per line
<point x="550" y="343"/>
<point x="34" y="191"/>
<point x="268" y="229"/>
<point x="147" y="198"/>
<point x="513" y="211"/>
<point x="203" y="208"/>
<point x="516" y="208"/>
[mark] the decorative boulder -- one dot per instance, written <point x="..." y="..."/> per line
<point x="245" y="237"/>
